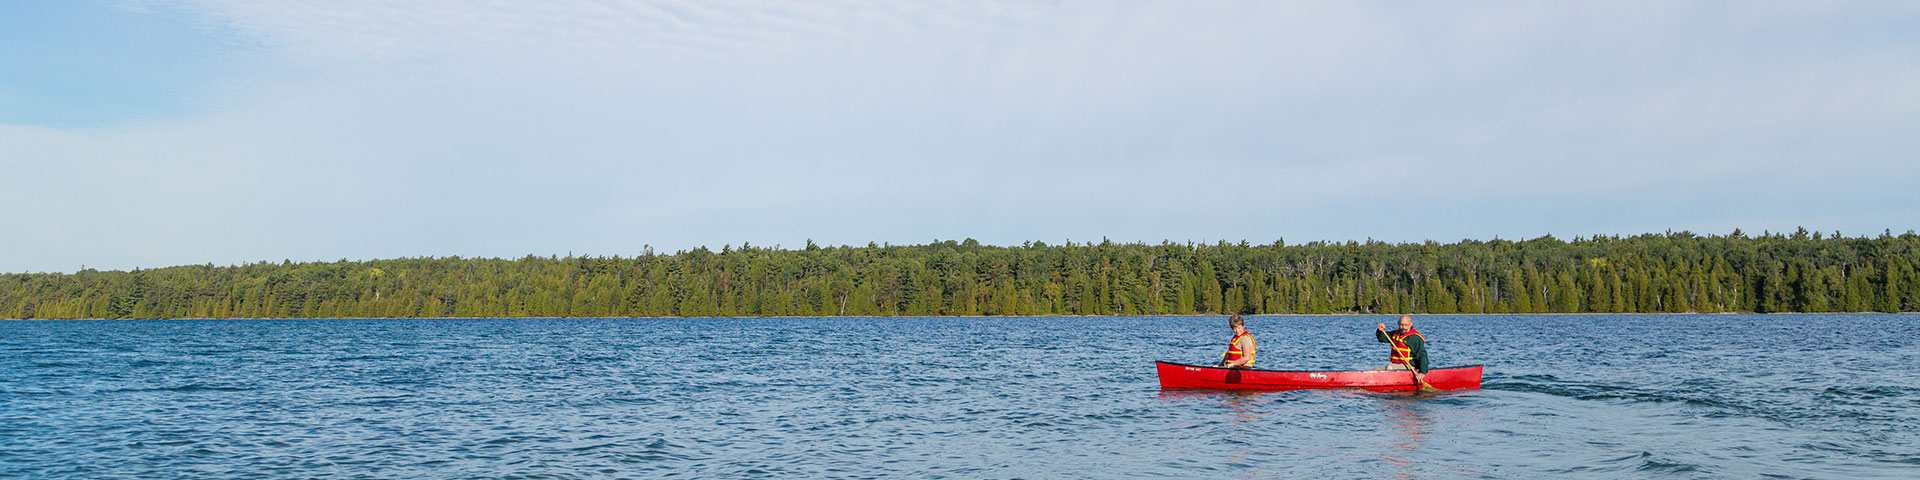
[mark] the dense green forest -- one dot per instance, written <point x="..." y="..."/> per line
<point x="1672" y="272"/>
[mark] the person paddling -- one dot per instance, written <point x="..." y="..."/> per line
<point x="1409" y="348"/>
<point x="1240" y="349"/>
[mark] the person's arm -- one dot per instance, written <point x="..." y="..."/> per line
<point x="1380" y="333"/>
<point x="1419" y="347"/>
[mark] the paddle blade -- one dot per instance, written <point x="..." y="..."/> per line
<point x="1425" y="387"/>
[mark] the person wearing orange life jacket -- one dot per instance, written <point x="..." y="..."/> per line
<point x="1409" y="348"/>
<point x="1240" y="350"/>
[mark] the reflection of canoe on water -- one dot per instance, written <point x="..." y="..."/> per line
<point x="1174" y="375"/>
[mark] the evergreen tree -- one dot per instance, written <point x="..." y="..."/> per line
<point x="1675" y="272"/>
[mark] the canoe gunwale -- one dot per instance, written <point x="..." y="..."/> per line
<point x="1456" y="367"/>
<point x="1184" y="376"/>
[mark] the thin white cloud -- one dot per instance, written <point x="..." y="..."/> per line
<point x="432" y="127"/>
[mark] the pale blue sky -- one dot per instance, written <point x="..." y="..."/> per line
<point x="147" y="133"/>
<point x="77" y="64"/>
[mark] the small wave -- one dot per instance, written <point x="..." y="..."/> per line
<point x="597" y="446"/>
<point x="188" y="388"/>
<point x="1601" y="391"/>
<point x="162" y="443"/>
<point x="1657" y="397"/>
<point x="380" y="400"/>
<point x="1654" y="463"/>
<point x="400" y="381"/>
<point x="1545" y="384"/>
<point x="1640" y="462"/>
<point x="657" y="450"/>
<point x="219" y="352"/>
<point x="632" y="401"/>
<point x="196" y="387"/>
<point x="1123" y="414"/>
<point x="30" y="392"/>
<point x="1871" y="392"/>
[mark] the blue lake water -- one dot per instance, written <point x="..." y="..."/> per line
<point x="1630" y="396"/>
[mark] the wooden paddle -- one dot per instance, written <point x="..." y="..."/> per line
<point x="1424" y="386"/>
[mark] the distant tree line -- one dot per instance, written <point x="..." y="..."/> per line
<point x="1672" y="272"/>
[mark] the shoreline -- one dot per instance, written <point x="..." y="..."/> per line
<point x="1256" y="315"/>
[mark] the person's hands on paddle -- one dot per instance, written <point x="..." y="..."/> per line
<point x="1382" y="327"/>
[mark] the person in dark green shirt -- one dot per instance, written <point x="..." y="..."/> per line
<point x="1409" y="348"/>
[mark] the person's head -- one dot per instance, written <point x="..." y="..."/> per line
<point x="1238" y="324"/>
<point x="1406" y="322"/>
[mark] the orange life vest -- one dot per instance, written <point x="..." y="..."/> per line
<point x="1402" y="354"/>
<point x="1233" y="348"/>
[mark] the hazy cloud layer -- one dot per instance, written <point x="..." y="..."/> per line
<point x="363" y="129"/>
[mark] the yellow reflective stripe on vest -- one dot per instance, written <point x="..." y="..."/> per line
<point x="1401" y="352"/>
<point x="1233" y="348"/>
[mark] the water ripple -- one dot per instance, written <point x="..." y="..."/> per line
<point x="1630" y="396"/>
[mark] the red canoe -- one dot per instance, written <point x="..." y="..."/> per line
<point x="1174" y="375"/>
